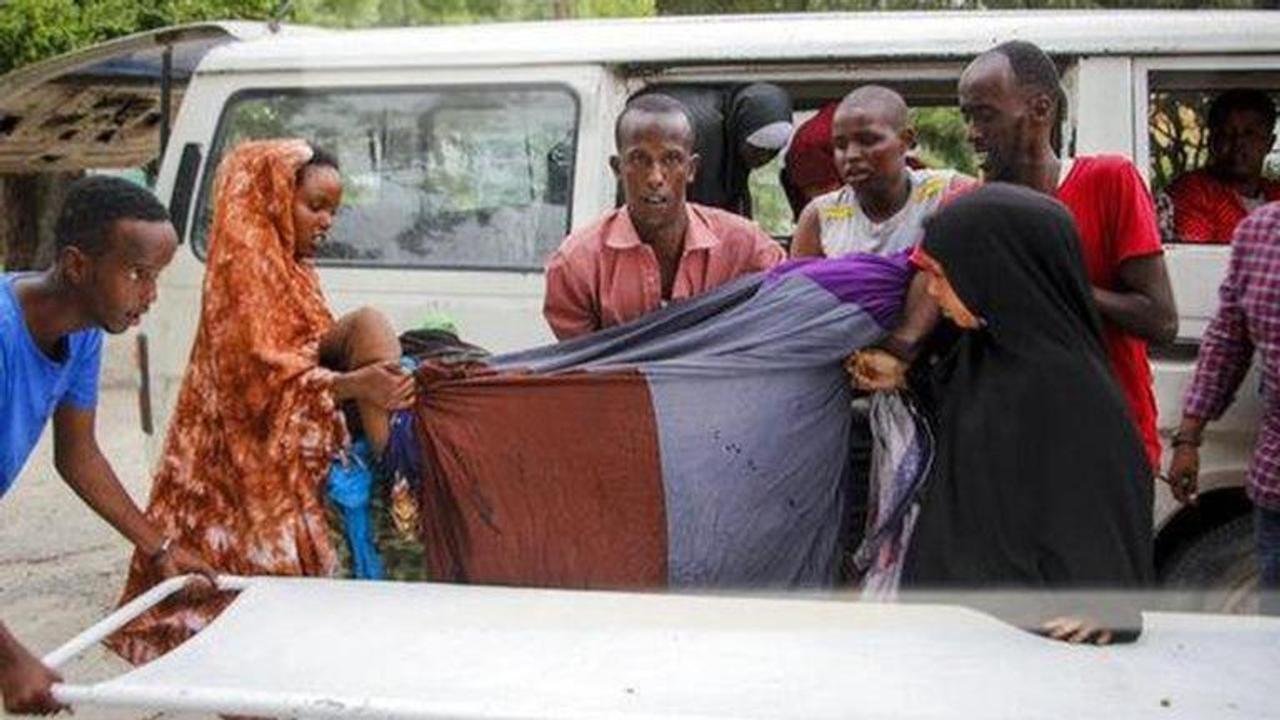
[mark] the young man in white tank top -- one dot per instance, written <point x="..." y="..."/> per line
<point x="883" y="203"/>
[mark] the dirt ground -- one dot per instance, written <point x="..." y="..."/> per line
<point x="61" y="567"/>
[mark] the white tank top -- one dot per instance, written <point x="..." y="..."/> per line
<point x="844" y="228"/>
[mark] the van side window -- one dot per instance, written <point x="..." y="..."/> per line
<point x="1195" y="178"/>
<point x="432" y="177"/>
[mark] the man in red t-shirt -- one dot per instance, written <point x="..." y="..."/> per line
<point x="1208" y="203"/>
<point x="1012" y="99"/>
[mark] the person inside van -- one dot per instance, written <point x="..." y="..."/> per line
<point x="1208" y="203"/>
<point x="808" y="164"/>
<point x="1028" y="371"/>
<point x="657" y="248"/>
<point x="882" y="204"/>
<point x="258" y="424"/>
<point x="736" y="130"/>
<point x="1011" y="98"/>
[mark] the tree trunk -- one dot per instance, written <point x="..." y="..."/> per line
<point x="19" y="225"/>
<point x="29" y="207"/>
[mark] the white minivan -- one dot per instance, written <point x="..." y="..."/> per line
<point x="469" y="152"/>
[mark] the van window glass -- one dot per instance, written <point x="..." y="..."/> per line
<point x="432" y="177"/>
<point x="1179" y="134"/>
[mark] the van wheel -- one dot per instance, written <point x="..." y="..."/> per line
<point x="1216" y="571"/>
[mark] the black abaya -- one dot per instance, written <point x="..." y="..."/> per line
<point x="1040" y="484"/>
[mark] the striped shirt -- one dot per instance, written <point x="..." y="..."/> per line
<point x="1248" y="319"/>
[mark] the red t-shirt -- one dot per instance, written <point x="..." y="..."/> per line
<point x="1116" y="218"/>
<point x="1206" y="210"/>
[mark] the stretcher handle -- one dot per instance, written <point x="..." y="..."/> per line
<point x="130" y="610"/>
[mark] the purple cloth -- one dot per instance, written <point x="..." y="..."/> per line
<point x="874" y="285"/>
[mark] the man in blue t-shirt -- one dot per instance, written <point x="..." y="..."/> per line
<point x="113" y="239"/>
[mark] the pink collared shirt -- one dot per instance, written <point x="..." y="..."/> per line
<point x="602" y="275"/>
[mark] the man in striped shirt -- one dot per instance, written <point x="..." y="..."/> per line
<point x="1248" y="319"/>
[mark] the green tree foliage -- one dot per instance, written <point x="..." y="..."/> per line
<point x="941" y="139"/>
<point x="32" y="30"/>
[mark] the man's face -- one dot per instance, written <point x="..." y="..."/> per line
<point x="997" y="113"/>
<point x="868" y="151"/>
<point x="1239" y="146"/>
<point x="655" y="163"/>
<point x="119" y="285"/>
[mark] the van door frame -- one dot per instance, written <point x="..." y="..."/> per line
<point x="1196" y="269"/>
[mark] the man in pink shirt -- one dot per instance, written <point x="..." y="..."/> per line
<point x="658" y="247"/>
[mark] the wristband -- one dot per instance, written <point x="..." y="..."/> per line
<point x="1180" y="439"/>
<point x="163" y="550"/>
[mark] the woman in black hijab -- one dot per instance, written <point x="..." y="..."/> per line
<point x="1039" y="484"/>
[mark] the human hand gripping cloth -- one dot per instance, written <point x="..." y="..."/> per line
<point x="704" y="445"/>
<point x="256" y="423"/>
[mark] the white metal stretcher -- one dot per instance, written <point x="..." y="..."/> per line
<point x="342" y="649"/>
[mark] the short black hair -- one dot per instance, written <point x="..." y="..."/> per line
<point x="652" y="104"/>
<point x="1249" y="99"/>
<point x="881" y="98"/>
<point x="319" y="158"/>
<point x="1033" y="68"/>
<point x="94" y="204"/>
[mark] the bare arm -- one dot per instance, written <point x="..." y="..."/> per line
<point x="24" y="681"/>
<point x="1145" y="307"/>
<point x="807" y="239"/>
<point x="1184" y="467"/>
<point x="885" y="367"/>
<point x="919" y="318"/>
<point x="80" y="463"/>
<point x="1226" y="351"/>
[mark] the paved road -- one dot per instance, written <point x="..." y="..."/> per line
<point x="61" y="567"/>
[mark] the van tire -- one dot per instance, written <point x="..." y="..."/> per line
<point x="1216" y="571"/>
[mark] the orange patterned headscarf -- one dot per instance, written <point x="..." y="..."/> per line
<point x="256" y="423"/>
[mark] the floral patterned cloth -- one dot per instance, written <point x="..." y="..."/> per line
<point x="256" y="425"/>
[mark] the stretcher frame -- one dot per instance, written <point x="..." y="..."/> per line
<point x="502" y="653"/>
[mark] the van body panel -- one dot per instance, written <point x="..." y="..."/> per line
<point x="813" y="37"/>
<point x="1102" y="97"/>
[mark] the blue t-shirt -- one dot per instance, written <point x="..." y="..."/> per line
<point x="33" y="385"/>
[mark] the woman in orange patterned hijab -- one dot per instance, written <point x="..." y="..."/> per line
<point x="258" y="421"/>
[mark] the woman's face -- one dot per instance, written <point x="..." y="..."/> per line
<point x="939" y="288"/>
<point x="314" y="205"/>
